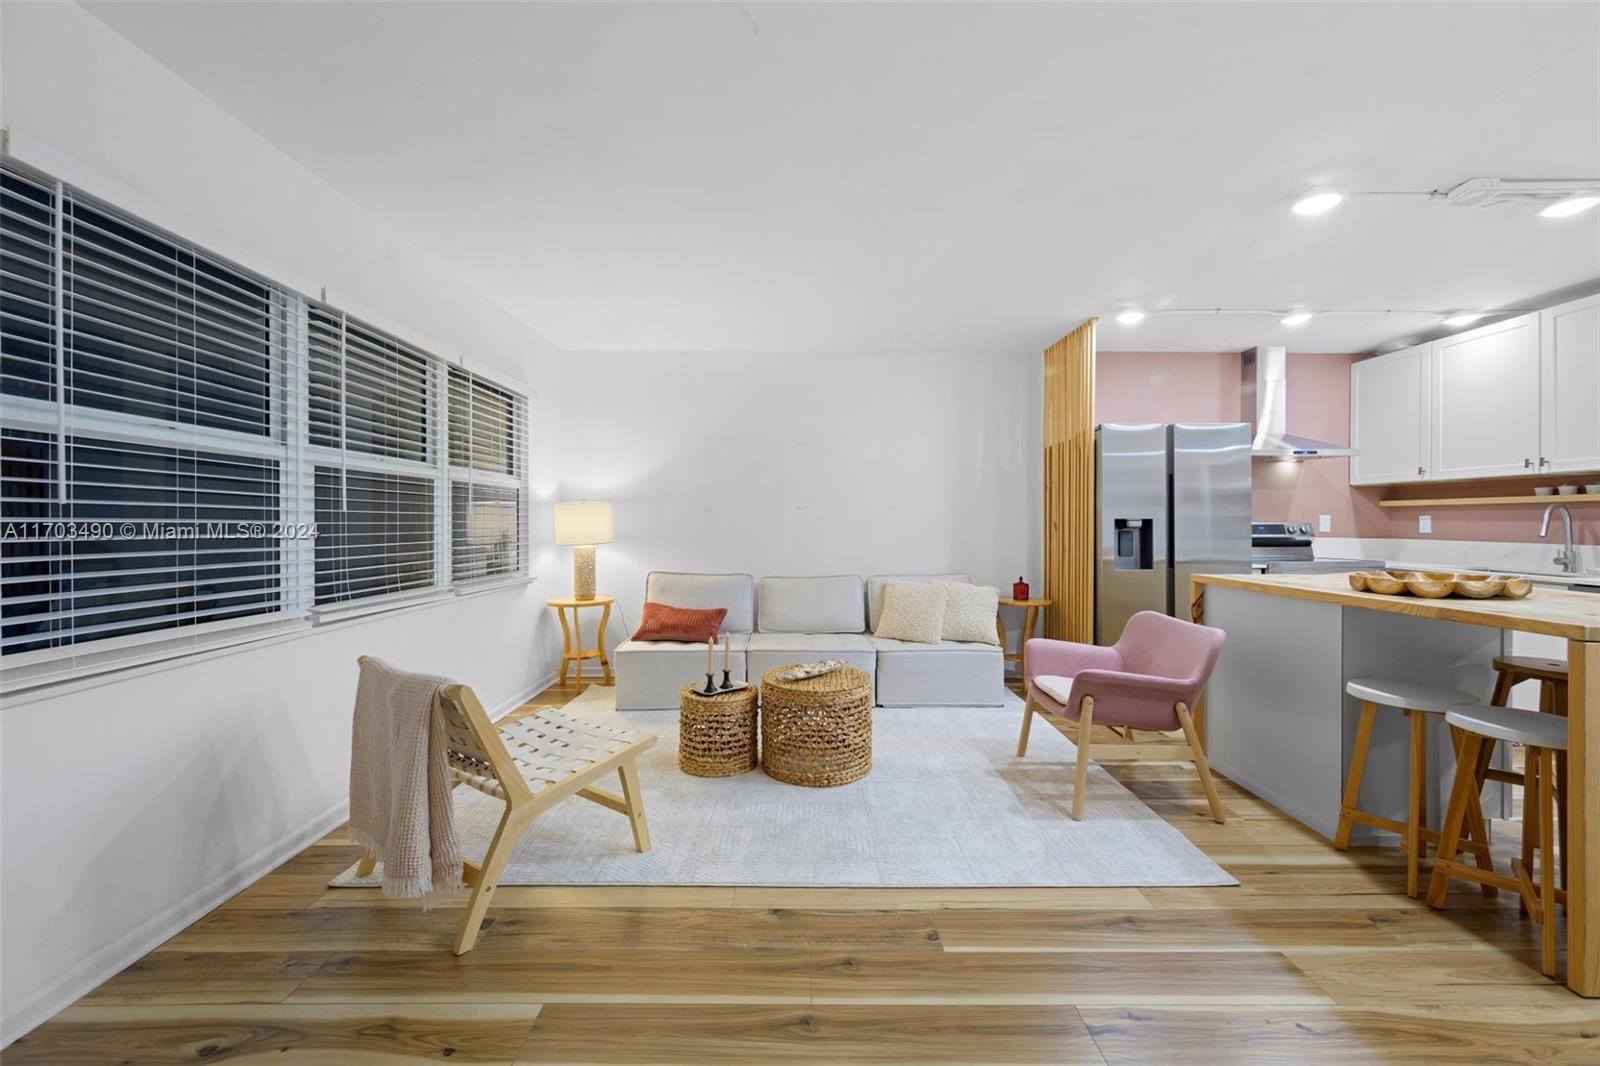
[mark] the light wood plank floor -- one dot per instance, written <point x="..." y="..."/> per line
<point x="1317" y="957"/>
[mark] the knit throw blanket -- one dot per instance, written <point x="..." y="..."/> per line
<point x="400" y="804"/>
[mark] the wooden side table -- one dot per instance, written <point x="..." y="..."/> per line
<point x="573" y="634"/>
<point x="1030" y="620"/>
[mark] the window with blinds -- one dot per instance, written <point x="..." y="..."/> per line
<point x="488" y="479"/>
<point x="187" y="448"/>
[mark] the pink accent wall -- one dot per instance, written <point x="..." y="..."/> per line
<point x="1518" y="523"/>
<point x="1204" y="387"/>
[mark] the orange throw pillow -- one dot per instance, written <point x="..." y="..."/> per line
<point x="662" y="621"/>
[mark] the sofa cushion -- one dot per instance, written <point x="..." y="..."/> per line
<point x="875" y="591"/>
<point x="768" y="651"/>
<point x="811" y="645"/>
<point x="947" y="674"/>
<point x="664" y="621"/>
<point x="970" y="611"/>
<point x="650" y="673"/>
<point x="736" y="592"/>
<point x="913" y="610"/>
<point x="811" y="605"/>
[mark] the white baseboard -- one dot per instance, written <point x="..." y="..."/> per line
<point x="38" y="1007"/>
<point x="25" y="1014"/>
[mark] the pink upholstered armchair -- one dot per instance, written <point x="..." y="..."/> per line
<point x="1149" y="680"/>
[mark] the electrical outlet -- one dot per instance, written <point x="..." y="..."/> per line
<point x="1324" y="523"/>
<point x="1424" y="523"/>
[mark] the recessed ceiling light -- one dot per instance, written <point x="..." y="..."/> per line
<point x="1131" y="317"/>
<point x="1318" y="201"/>
<point x="1572" y="205"/>
<point x="1297" y="318"/>
<point x="1463" y="318"/>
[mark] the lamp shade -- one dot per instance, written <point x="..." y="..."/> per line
<point x="585" y="522"/>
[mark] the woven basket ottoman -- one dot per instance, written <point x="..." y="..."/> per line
<point x="717" y="734"/>
<point x="817" y="731"/>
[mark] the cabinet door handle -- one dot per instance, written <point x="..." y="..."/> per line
<point x="1527" y="464"/>
<point x="1543" y="461"/>
<point x="1420" y="471"/>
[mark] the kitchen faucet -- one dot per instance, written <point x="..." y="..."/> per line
<point x="1567" y="557"/>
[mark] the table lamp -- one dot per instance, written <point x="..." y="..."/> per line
<point x="583" y="525"/>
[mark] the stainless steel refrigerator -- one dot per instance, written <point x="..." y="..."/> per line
<point x="1172" y="500"/>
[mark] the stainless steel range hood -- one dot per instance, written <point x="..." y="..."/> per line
<point x="1264" y="403"/>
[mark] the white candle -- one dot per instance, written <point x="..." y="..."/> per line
<point x="725" y="653"/>
<point x="711" y="642"/>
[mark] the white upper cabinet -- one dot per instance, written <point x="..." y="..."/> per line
<point x="1486" y="401"/>
<point x="1569" y="367"/>
<point x="1387" y="395"/>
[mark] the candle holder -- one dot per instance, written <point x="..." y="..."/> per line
<point x="710" y="689"/>
<point x="726" y="683"/>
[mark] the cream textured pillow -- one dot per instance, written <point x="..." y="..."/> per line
<point x="969" y="613"/>
<point x="913" y="610"/>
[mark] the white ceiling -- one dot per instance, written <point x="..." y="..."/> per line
<point x="928" y="176"/>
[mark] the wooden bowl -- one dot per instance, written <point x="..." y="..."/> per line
<point x="1516" y="588"/>
<point x="1358" y="580"/>
<point x="1479" y="586"/>
<point x="1384" y="583"/>
<point x="1431" y="588"/>
<point x="1438" y="575"/>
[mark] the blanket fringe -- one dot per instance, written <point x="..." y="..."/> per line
<point x="421" y="888"/>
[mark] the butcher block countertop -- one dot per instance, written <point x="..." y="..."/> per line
<point x="1555" y="612"/>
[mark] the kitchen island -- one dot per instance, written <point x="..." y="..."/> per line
<point x="1277" y="720"/>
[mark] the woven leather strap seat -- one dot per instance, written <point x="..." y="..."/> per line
<point x="547" y="747"/>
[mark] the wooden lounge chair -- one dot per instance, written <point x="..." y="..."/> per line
<point x="532" y="763"/>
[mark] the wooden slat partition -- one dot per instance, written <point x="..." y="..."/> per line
<point x="1069" y="485"/>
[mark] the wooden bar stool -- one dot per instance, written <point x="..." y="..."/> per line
<point x="1417" y="701"/>
<point x="1510" y="671"/>
<point x="1542" y="737"/>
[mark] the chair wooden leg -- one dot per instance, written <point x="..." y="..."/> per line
<point x="634" y="797"/>
<point x="1081" y="784"/>
<point x="1358" y="766"/>
<point x="1502" y="688"/>
<point x="1418" y="790"/>
<point x="1560" y="841"/>
<point x="1200" y="765"/>
<point x="1454" y="818"/>
<point x="1547" y="881"/>
<point x="367" y="863"/>
<point x="1027" y="725"/>
<point x="1477" y="828"/>
<point x="494" y="863"/>
<point x="1530" y="817"/>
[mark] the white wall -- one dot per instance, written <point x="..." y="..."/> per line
<point x="132" y="806"/>
<point x="774" y="464"/>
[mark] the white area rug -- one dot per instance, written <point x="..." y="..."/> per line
<point x="947" y="804"/>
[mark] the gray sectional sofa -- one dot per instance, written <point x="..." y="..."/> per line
<point x="800" y="619"/>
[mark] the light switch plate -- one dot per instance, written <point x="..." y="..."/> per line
<point x="1324" y="523"/>
<point x="1424" y="523"/>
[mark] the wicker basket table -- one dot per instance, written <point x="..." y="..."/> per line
<point x="717" y="734"/>
<point x="817" y="731"/>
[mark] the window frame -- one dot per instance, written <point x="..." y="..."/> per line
<point x="287" y="442"/>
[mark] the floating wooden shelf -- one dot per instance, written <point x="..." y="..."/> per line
<point x="1470" y="501"/>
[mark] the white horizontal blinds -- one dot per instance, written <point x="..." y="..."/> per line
<point x="187" y="447"/>
<point x="150" y="483"/>
<point x="488" y="478"/>
<point x="27" y="287"/>
<point x="374" y="416"/>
